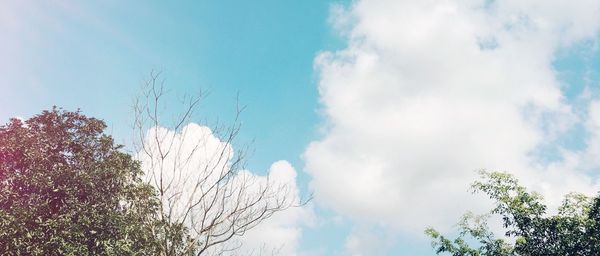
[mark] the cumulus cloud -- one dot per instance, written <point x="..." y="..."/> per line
<point x="363" y="241"/>
<point x="187" y="164"/>
<point x="427" y="92"/>
<point x="280" y="234"/>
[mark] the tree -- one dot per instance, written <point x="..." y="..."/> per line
<point x="575" y="230"/>
<point x="206" y="197"/>
<point x="67" y="189"/>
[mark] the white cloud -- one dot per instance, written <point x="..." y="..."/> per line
<point x="592" y="124"/>
<point x="363" y="241"/>
<point x="280" y="234"/>
<point x="427" y="92"/>
<point x="195" y="154"/>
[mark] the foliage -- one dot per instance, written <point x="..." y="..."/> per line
<point x="575" y="230"/>
<point x="67" y="189"/>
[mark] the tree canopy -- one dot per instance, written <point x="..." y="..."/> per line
<point x="67" y="189"/>
<point x="574" y="230"/>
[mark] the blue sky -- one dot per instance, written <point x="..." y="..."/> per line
<point x="95" y="56"/>
<point x="333" y="88"/>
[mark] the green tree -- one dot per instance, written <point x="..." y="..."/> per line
<point x="67" y="189"/>
<point x="574" y="230"/>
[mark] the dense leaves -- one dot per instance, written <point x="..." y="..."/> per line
<point x="67" y="189"/>
<point x="575" y="230"/>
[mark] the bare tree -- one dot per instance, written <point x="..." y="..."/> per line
<point x="206" y="196"/>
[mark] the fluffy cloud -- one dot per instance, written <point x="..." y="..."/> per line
<point x="188" y="163"/>
<point x="280" y="234"/>
<point x="363" y="241"/>
<point x="427" y="92"/>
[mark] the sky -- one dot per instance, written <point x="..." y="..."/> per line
<point x="381" y="109"/>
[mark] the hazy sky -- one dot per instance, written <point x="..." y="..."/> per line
<point x="382" y="108"/>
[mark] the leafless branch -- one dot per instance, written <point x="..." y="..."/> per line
<point x="204" y="193"/>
